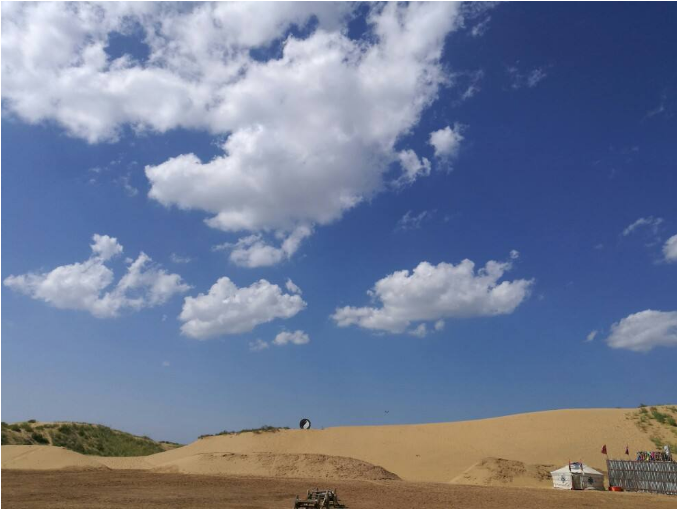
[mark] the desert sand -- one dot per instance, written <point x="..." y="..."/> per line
<point x="46" y="458"/>
<point x="443" y="451"/>
<point x="459" y="452"/>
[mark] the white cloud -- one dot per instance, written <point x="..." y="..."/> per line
<point x="179" y="259"/>
<point x="105" y="247"/>
<point x="228" y="310"/>
<point x="649" y="222"/>
<point x="432" y="293"/>
<point x="447" y="141"/>
<point x="303" y="155"/>
<point x="55" y="64"/>
<point x="258" y="345"/>
<point x="514" y="254"/>
<point x="645" y="330"/>
<point x="413" y="167"/>
<point x="298" y="337"/>
<point x="529" y="79"/>
<point x="253" y="251"/>
<point x="166" y="363"/>
<point x="473" y="86"/>
<point x="439" y="325"/>
<point x="311" y="133"/>
<point x="130" y="190"/>
<point x="670" y="249"/>
<point x="412" y="222"/>
<point x="591" y="336"/>
<point x="292" y="287"/>
<point x="81" y="286"/>
<point x="480" y="28"/>
<point x="535" y="77"/>
<point x="420" y="331"/>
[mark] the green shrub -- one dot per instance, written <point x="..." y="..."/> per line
<point x="5" y="439"/>
<point x="658" y="416"/>
<point x="15" y="427"/>
<point x="32" y="421"/>
<point x="39" y="438"/>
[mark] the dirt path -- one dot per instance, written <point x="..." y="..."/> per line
<point x="143" y="489"/>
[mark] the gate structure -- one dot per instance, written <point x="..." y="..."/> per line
<point x="658" y="477"/>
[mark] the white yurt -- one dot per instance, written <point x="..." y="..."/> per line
<point x="577" y="476"/>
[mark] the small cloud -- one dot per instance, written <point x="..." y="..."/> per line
<point x="164" y="317"/>
<point x="166" y="363"/>
<point x="643" y="331"/>
<point x="439" y="325"/>
<point x="599" y="246"/>
<point x="473" y="86"/>
<point x="663" y="109"/>
<point x="298" y="337"/>
<point x="292" y="287"/>
<point x="178" y="259"/>
<point x="420" y="331"/>
<point x="649" y="222"/>
<point x="529" y="79"/>
<point x="447" y="141"/>
<point x="480" y="28"/>
<point x="413" y="168"/>
<point x="130" y="190"/>
<point x="223" y="246"/>
<point x="514" y="254"/>
<point x="535" y="77"/>
<point x="670" y="249"/>
<point x="591" y="336"/>
<point x="412" y="222"/>
<point x="258" y="345"/>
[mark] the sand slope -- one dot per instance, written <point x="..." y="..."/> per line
<point x="277" y="465"/>
<point x="512" y="450"/>
<point x="504" y="472"/>
<point x="256" y="464"/>
<point x="46" y="457"/>
<point x="442" y="451"/>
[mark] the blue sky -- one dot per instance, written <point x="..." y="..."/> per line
<point x="556" y="138"/>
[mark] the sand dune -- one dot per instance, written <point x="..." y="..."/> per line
<point x="46" y="457"/>
<point x="255" y="464"/>
<point x="277" y="465"/>
<point x="512" y="450"/>
<point x="440" y="452"/>
<point x="504" y="472"/>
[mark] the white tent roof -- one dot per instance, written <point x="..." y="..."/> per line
<point x="575" y="469"/>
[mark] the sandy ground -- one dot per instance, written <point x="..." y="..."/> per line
<point x="443" y="451"/>
<point x="512" y="450"/>
<point x="145" y="489"/>
<point x="503" y="472"/>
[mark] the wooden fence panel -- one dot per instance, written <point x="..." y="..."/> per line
<point x="659" y="477"/>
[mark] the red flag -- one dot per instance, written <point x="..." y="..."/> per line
<point x="627" y="450"/>
<point x="604" y="449"/>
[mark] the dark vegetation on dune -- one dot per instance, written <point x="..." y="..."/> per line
<point x="660" y="422"/>
<point x="260" y="430"/>
<point x="85" y="438"/>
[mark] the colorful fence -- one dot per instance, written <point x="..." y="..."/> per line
<point x="658" y="477"/>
